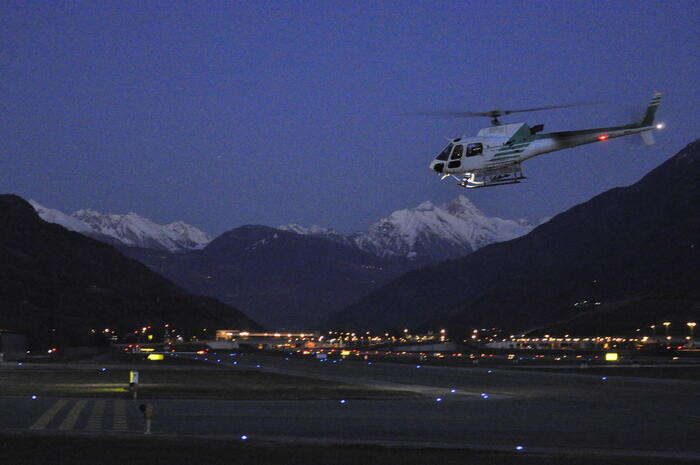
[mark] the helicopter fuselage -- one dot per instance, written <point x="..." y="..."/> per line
<point x="495" y="155"/>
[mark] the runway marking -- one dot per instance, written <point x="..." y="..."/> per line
<point x="49" y="414"/>
<point x="69" y="422"/>
<point x="96" y="415"/>
<point x="119" y="416"/>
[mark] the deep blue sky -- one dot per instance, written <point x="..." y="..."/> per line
<point x="224" y="114"/>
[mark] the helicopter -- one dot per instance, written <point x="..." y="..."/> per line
<point x="495" y="156"/>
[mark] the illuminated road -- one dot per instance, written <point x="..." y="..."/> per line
<point x="489" y="408"/>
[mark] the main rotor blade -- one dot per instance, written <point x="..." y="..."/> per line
<point x="552" y="107"/>
<point x="452" y="114"/>
<point x="495" y="113"/>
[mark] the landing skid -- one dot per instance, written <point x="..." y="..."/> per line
<point x="471" y="181"/>
<point x="490" y="184"/>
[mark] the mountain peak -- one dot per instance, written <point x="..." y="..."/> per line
<point x="428" y="232"/>
<point x="130" y="229"/>
<point x="425" y="206"/>
<point x="462" y="206"/>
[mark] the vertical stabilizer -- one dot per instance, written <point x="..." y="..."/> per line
<point x="651" y="110"/>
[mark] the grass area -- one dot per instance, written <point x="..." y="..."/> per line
<point x="664" y="372"/>
<point x="80" y="450"/>
<point x="184" y="382"/>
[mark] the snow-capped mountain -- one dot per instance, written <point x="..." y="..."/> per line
<point x="429" y="232"/>
<point x="51" y="215"/>
<point x="130" y="229"/>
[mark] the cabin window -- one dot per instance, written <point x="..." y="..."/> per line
<point x="445" y="153"/>
<point x="457" y="152"/>
<point x="474" y="150"/>
<point x="454" y="164"/>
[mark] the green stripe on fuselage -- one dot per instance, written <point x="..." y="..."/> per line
<point x="514" y="146"/>
<point x="499" y="155"/>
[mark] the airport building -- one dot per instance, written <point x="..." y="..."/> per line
<point x="271" y="340"/>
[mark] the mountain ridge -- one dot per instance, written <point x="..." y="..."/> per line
<point x="130" y="229"/>
<point x="58" y="285"/>
<point x="427" y="233"/>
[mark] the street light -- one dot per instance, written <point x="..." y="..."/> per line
<point x="666" y="325"/>
<point x="691" y="325"/>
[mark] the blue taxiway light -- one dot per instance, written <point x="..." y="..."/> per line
<point x="257" y="366"/>
<point x="489" y="371"/>
<point x="103" y="369"/>
<point x="244" y="437"/>
<point x="33" y="397"/>
<point x="453" y="391"/>
<point x="519" y="448"/>
<point x="418" y="366"/>
<point x="438" y="399"/>
<point x="484" y="395"/>
<point x="343" y="401"/>
<point x="604" y="378"/>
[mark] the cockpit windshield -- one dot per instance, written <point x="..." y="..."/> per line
<point x="445" y="153"/>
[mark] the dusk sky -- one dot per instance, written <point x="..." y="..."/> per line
<point x="230" y="113"/>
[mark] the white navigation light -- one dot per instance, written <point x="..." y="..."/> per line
<point x="660" y="125"/>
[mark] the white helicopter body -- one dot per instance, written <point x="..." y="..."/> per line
<point x="495" y="155"/>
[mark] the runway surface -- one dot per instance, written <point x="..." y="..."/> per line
<point x="454" y="407"/>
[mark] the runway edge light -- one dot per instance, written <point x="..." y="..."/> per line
<point x="611" y="356"/>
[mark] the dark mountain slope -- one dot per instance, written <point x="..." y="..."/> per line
<point x="57" y="285"/>
<point x="280" y="278"/>
<point x="627" y="256"/>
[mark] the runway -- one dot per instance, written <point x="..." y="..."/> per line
<point x="452" y="407"/>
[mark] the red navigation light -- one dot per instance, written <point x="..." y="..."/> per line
<point x="602" y="137"/>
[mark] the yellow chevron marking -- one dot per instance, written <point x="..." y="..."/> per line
<point x="49" y="414"/>
<point x="119" y="416"/>
<point x="95" y="421"/>
<point x="69" y="422"/>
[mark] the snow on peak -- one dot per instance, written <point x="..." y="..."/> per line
<point x="310" y="231"/>
<point x="431" y="232"/>
<point x="134" y="230"/>
<point x="130" y="229"/>
<point x="51" y="215"/>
